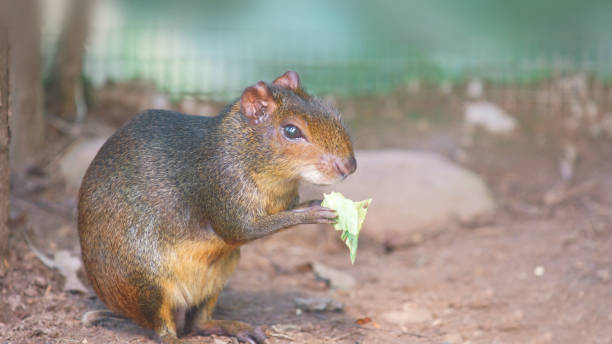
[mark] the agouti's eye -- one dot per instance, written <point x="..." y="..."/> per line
<point x="292" y="132"/>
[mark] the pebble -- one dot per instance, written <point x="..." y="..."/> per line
<point x="489" y="116"/>
<point x="40" y="281"/>
<point x="318" y="304"/>
<point x="603" y="274"/>
<point x="335" y="278"/>
<point x="538" y="271"/>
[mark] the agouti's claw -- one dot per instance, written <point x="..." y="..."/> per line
<point x="252" y="337"/>
<point x="315" y="202"/>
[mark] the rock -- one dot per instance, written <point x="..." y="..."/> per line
<point x="318" y="304"/>
<point x="490" y="117"/>
<point x="474" y="88"/>
<point x="334" y="278"/>
<point x="77" y="158"/>
<point x="409" y="314"/>
<point x="412" y="193"/>
<point x="538" y="271"/>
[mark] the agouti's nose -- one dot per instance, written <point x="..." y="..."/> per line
<point x="346" y="166"/>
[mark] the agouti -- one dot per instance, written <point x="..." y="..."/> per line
<point x="169" y="199"/>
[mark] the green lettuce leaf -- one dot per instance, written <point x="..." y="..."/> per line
<point x="350" y="218"/>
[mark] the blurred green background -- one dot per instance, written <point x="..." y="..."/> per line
<point x="213" y="49"/>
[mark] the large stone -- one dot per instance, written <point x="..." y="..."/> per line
<point x="412" y="193"/>
<point x="73" y="164"/>
<point x="490" y="117"/>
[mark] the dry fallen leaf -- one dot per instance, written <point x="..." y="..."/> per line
<point x="367" y="321"/>
<point x="67" y="265"/>
<point x="363" y="321"/>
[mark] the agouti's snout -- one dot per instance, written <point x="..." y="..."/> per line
<point x="345" y="166"/>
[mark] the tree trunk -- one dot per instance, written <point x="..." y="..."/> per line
<point x="64" y="88"/>
<point x="4" y="141"/>
<point x="26" y="121"/>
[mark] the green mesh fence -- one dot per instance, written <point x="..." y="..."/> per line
<point x="214" y="49"/>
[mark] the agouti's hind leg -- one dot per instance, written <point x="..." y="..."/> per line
<point x="166" y="327"/>
<point x="205" y="326"/>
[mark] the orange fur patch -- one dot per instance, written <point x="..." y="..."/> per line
<point x="198" y="270"/>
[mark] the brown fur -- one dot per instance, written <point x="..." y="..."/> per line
<point x="169" y="199"/>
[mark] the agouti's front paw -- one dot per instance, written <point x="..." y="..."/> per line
<point x="317" y="214"/>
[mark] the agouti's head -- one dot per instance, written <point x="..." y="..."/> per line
<point x="305" y="136"/>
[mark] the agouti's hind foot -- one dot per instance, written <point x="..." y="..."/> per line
<point x="170" y="338"/>
<point x="244" y="332"/>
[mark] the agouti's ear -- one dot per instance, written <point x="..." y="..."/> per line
<point x="290" y="80"/>
<point x="256" y="102"/>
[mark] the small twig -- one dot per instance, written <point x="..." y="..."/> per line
<point x="61" y="125"/>
<point x="414" y="334"/>
<point x="281" y="335"/>
<point x="59" y="152"/>
<point x="335" y="339"/>
<point x="559" y="195"/>
<point x="41" y="256"/>
<point x="56" y="208"/>
<point x="517" y="206"/>
<point x="601" y="210"/>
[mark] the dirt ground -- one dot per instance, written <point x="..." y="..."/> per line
<point x="539" y="272"/>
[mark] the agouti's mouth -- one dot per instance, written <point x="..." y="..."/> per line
<point x="314" y="175"/>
